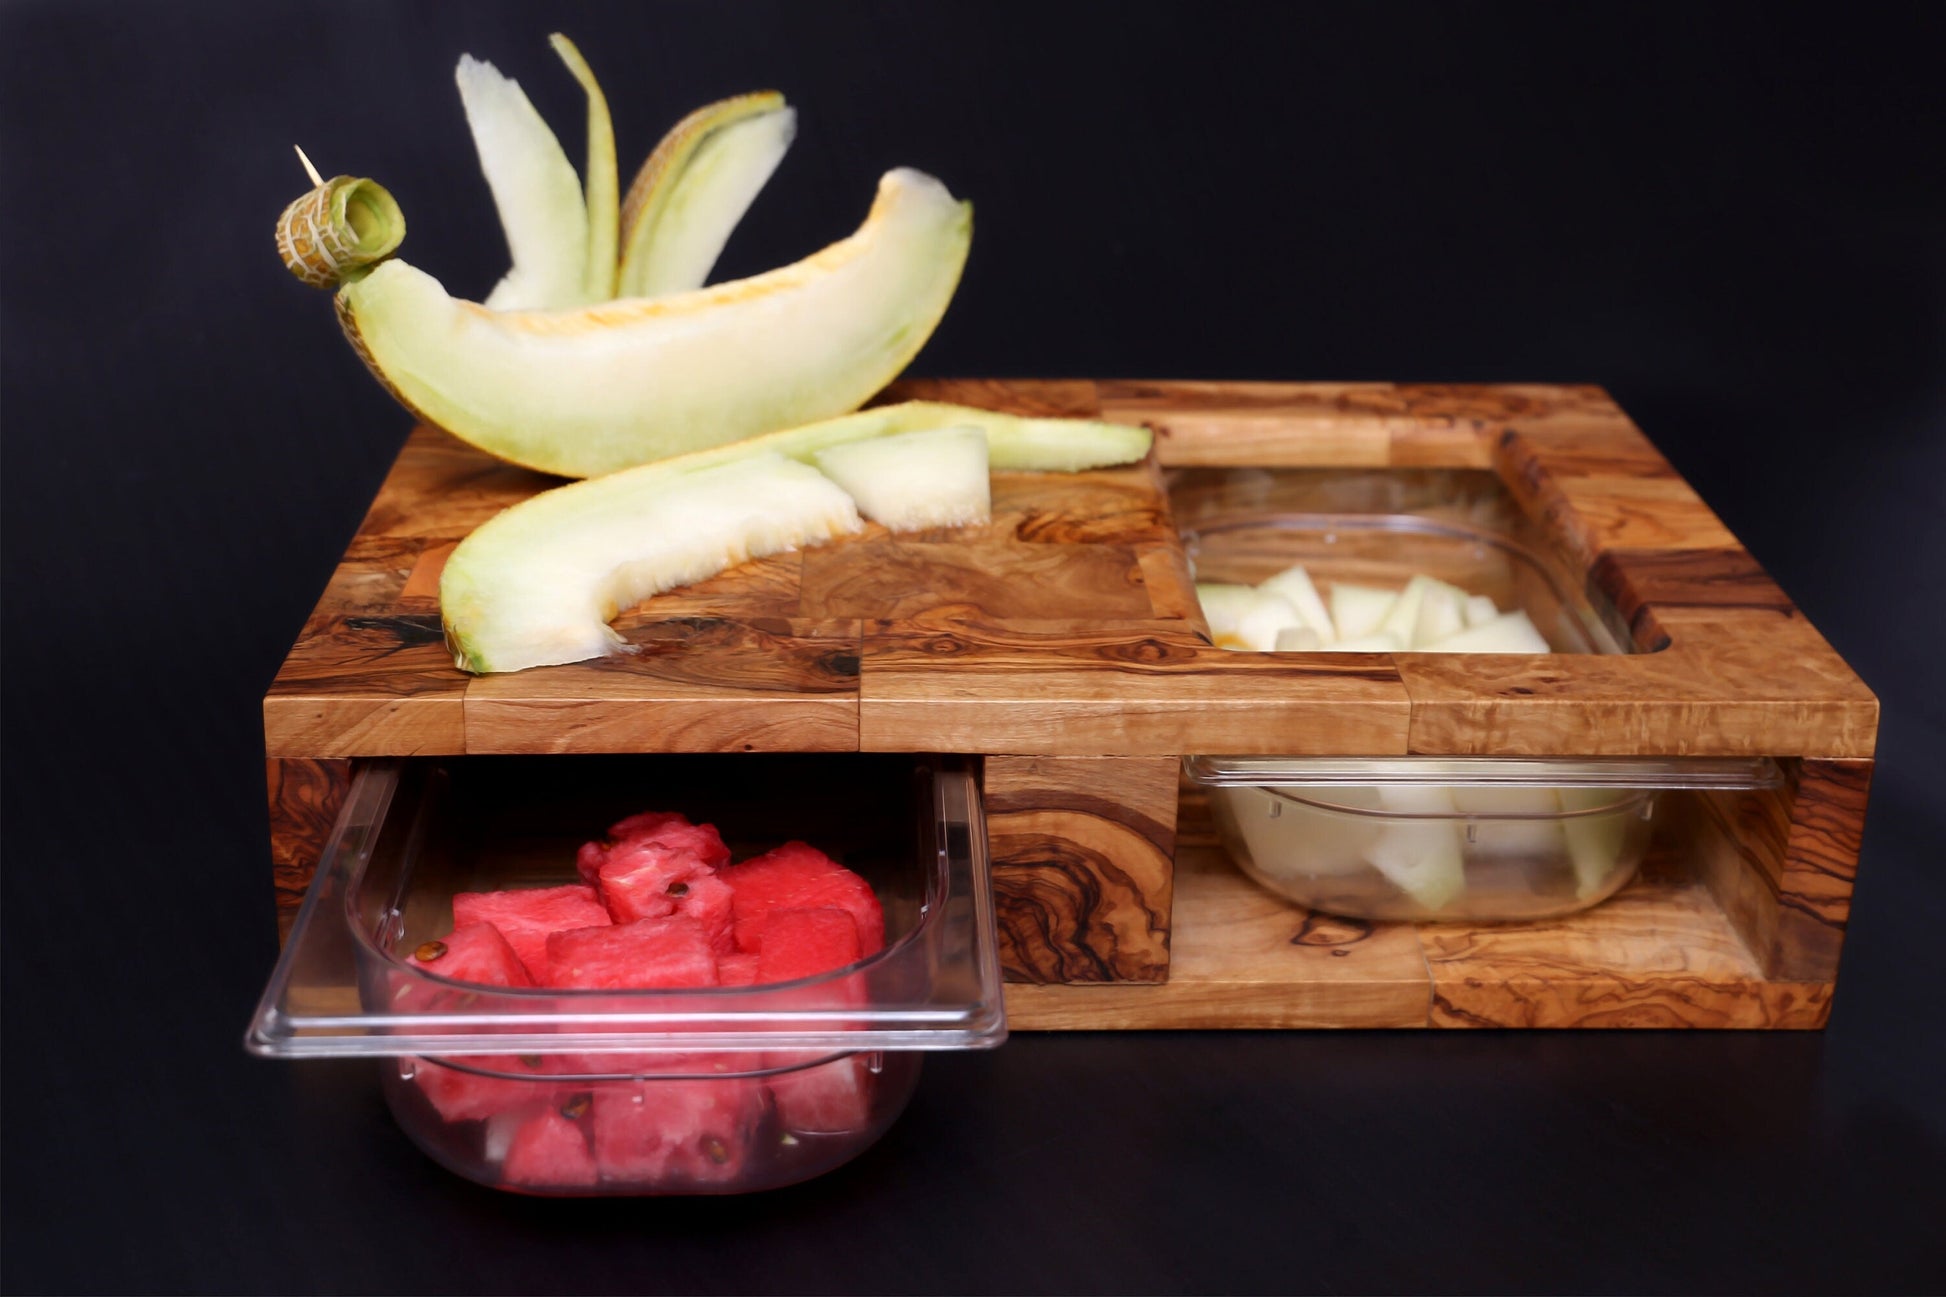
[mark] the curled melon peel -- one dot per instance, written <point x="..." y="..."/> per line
<point x="603" y="187"/>
<point x="536" y="584"/>
<point x="695" y="188"/>
<point x="587" y="391"/>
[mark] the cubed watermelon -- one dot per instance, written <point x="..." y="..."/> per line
<point x="825" y="1098"/>
<point x="668" y="1134"/>
<point x="526" y="916"/>
<point x="473" y="952"/>
<point x="798" y="876"/>
<point x="549" y="1151"/>
<point x="649" y="879"/>
<point x="647" y="954"/>
<point x="668" y="827"/>
<point x="475" y="1087"/>
<point x="794" y="943"/>
<point x="736" y="970"/>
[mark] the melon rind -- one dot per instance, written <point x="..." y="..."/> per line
<point x="588" y="391"/>
<point x="910" y="481"/>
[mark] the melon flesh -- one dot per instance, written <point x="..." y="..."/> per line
<point x="914" y="480"/>
<point x="1358" y="610"/>
<point x="1512" y="632"/>
<point x="1294" y="583"/>
<point x="1223" y="608"/>
<point x="534" y="187"/>
<point x="537" y="585"/>
<point x="587" y="391"/>
<point x="1422" y="858"/>
<point x="1267" y="614"/>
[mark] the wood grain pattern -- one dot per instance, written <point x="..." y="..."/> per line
<point x="1054" y="398"/>
<point x="1827" y="829"/>
<point x="375" y="685"/>
<point x="304" y="798"/>
<point x="1083" y="851"/>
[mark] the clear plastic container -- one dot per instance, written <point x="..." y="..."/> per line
<point x="698" y="1091"/>
<point x="1448" y="839"/>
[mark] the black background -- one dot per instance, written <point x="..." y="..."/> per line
<point x="1733" y="217"/>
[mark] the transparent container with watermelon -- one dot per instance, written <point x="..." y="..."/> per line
<point x="567" y="997"/>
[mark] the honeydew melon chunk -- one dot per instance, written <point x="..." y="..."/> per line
<point x="1422" y="858"/>
<point x="603" y="193"/>
<point x="1358" y="610"/>
<point x="1480" y="610"/>
<point x="1298" y="639"/>
<point x="534" y="187"/>
<point x="1223" y="608"/>
<point x="1267" y="614"/>
<point x="909" y="481"/>
<point x="592" y="390"/>
<point x="1511" y="632"/>
<point x="537" y="584"/>
<point x="1403" y="619"/>
<point x="1595" y="842"/>
<point x="1294" y="583"/>
<point x="1442" y="612"/>
<point x="695" y="187"/>
<point x="1377" y="642"/>
<point x="1516" y="821"/>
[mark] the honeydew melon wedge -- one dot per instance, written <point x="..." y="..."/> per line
<point x="1595" y="842"/>
<point x="914" y="480"/>
<point x="588" y="391"/>
<point x="537" y="585"/>
<point x="1480" y="610"/>
<point x="1441" y="613"/>
<point x="1512" y="632"/>
<point x="1422" y="858"/>
<point x="1299" y="639"/>
<point x="602" y="193"/>
<point x="1294" y="583"/>
<point x="695" y="187"/>
<point x="1518" y="821"/>
<point x="535" y="189"/>
<point x="1223" y="608"/>
<point x="1268" y="614"/>
<point x="1403" y="619"/>
<point x="1383" y="641"/>
<point x="1358" y="610"/>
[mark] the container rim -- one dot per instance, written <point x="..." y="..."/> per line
<point x="1622" y="773"/>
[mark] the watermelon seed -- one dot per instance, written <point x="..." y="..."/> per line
<point x="679" y="889"/>
<point x="575" y="1107"/>
<point x="789" y="1140"/>
<point x="716" y="1150"/>
<point x="430" y="951"/>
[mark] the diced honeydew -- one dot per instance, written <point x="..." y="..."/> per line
<point x="1294" y="583"/>
<point x="1359" y="609"/>
<point x="1441" y="613"/>
<point x="1595" y="842"/>
<point x="1403" y="619"/>
<point x="1223" y="608"/>
<point x="1512" y="632"/>
<point x="1514" y="821"/>
<point x="1480" y="610"/>
<point x="1289" y="839"/>
<point x="913" y="480"/>
<point x="1298" y="639"/>
<point x="1268" y="613"/>
<point x="1422" y="858"/>
<point x="1378" y="642"/>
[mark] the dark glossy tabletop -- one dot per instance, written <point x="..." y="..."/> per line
<point x="1731" y="216"/>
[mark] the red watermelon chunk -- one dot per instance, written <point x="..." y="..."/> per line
<point x="459" y="1092"/>
<point x="647" y="954"/>
<point x="826" y="1099"/>
<point x="797" y="876"/>
<point x="668" y="827"/>
<point x="798" y="943"/>
<point x="647" y="879"/>
<point x="672" y="1133"/>
<point x="736" y="970"/>
<point x="473" y="952"/>
<point x="526" y="916"/>
<point x="549" y="1151"/>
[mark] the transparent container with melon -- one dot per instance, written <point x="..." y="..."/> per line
<point x="1440" y="565"/>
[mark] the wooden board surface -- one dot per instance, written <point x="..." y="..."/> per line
<point x="1067" y="626"/>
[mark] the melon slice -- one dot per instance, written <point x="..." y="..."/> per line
<point x="535" y="189"/>
<point x="1441" y="613"/>
<point x="1294" y="583"/>
<point x="603" y="192"/>
<point x="1595" y="842"/>
<point x="1383" y="641"/>
<point x="1298" y="639"/>
<point x="1421" y="857"/>
<point x="1480" y="610"/>
<point x="694" y="189"/>
<point x="1358" y="610"/>
<point x="913" y="480"/>
<point x="588" y="391"/>
<point x="537" y="584"/>
<point x="1223" y="608"/>
<point x="1512" y="632"/>
<point x="1267" y="614"/>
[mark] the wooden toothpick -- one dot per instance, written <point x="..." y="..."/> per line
<point x="309" y="170"/>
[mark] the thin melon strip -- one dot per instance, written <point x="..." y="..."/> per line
<point x="603" y="387"/>
<point x="604" y="186"/>
<point x="535" y="189"/>
<point x="695" y="188"/>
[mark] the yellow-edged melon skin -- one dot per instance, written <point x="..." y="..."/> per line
<point x="589" y="390"/>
